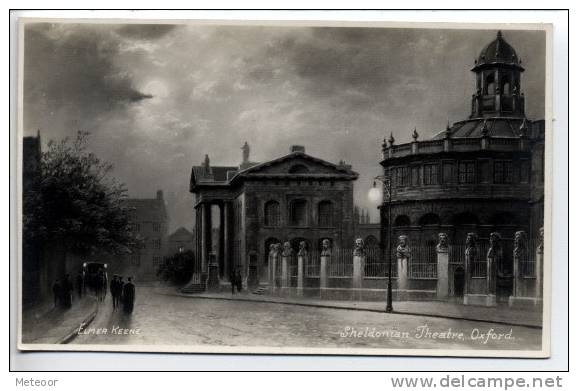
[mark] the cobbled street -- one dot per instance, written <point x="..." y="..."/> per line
<point x="165" y="319"/>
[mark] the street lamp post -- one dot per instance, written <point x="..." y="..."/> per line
<point x="386" y="181"/>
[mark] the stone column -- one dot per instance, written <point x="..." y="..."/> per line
<point x="442" y="250"/>
<point x="274" y="265"/>
<point x="302" y="258"/>
<point x="221" y="256"/>
<point x="493" y="258"/>
<point x="540" y="265"/>
<point x="358" y="269"/>
<point x="285" y="261"/>
<point x="520" y="255"/>
<point x="207" y="242"/>
<point x="323" y="265"/>
<point x="471" y="256"/>
<point x="403" y="253"/>
<point x="213" y="283"/>
<point x="524" y="286"/>
<point x="227" y="239"/>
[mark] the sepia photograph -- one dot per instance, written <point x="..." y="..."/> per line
<point x="271" y="187"/>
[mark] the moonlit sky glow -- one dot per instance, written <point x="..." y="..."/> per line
<point x="156" y="98"/>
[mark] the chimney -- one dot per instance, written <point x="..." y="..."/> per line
<point x="246" y="150"/>
<point x="159" y="194"/>
<point x="297" y="148"/>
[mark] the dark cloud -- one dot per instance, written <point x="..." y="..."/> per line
<point x="145" y="31"/>
<point x="74" y="71"/>
<point x="339" y="91"/>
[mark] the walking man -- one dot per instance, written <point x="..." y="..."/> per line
<point x="67" y="292"/>
<point x="128" y="296"/>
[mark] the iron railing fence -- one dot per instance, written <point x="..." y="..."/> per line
<point x="341" y="263"/>
<point x="312" y="264"/>
<point x="422" y="263"/>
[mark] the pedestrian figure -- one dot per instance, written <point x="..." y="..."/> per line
<point x="128" y="296"/>
<point x="66" y="292"/>
<point x="79" y="284"/>
<point x="239" y="280"/>
<point x="57" y="291"/>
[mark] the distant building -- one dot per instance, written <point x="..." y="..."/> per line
<point x="180" y="241"/>
<point x="293" y="198"/>
<point x="149" y="221"/>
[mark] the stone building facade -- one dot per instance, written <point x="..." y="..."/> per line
<point x="149" y="221"/>
<point x="294" y="198"/>
<point x="480" y="175"/>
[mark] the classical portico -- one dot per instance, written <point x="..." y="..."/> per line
<point x="241" y="210"/>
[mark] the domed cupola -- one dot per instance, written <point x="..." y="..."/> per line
<point x="498" y="70"/>
<point x="498" y="51"/>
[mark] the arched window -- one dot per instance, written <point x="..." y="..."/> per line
<point x="401" y="221"/>
<point x="429" y="219"/>
<point x="272" y="213"/>
<point x="490" y="84"/>
<point x="298" y="213"/>
<point x="325" y="214"/>
<point x="298" y="169"/>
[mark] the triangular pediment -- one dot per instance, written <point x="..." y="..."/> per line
<point x="298" y="164"/>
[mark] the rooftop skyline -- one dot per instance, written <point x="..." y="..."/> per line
<point x="157" y="98"/>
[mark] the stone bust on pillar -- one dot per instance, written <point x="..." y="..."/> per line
<point x="540" y="248"/>
<point x="302" y="249"/>
<point x="520" y="245"/>
<point x="359" y="249"/>
<point x="272" y="249"/>
<point x="442" y="246"/>
<point x="471" y="247"/>
<point x="402" y="249"/>
<point x="495" y="250"/>
<point x="287" y="250"/>
<point x="326" y="248"/>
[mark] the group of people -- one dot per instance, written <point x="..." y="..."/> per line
<point x="62" y="291"/>
<point x="122" y="294"/>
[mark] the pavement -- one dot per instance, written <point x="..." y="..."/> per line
<point x="45" y="324"/>
<point x="501" y="314"/>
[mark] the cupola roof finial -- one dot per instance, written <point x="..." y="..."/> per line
<point x="415" y="134"/>
<point x="391" y="139"/>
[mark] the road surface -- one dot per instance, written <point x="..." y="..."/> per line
<point x="162" y="318"/>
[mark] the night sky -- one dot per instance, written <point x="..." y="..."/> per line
<point x="156" y="98"/>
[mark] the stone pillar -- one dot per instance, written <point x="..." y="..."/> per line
<point x="285" y="262"/>
<point x="302" y="258"/>
<point x="442" y="250"/>
<point x="213" y="283"/>
<point x="323" y="265"/>
<point x="493" y="258"/>
<point x="403" y="253"/>
<point x="221" y="254"/>
<point x="520" y="255"/>
<point x="207" y="242"/>
<point x="274" y="262"/>
<point x="358" y="269"/>
<point x="524" y="285"/>
<point x="227" y="239"/>
<point x="540" y="265"/>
